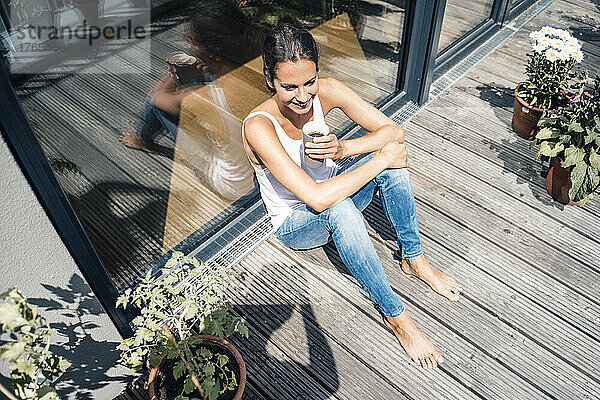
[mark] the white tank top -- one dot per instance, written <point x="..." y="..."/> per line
<point x="278" y="200"/>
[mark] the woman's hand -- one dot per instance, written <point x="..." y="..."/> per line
<point x="396" y="154"/>
<point x="325" y="147"/>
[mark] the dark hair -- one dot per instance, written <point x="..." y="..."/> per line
<point x="287" y="43"/>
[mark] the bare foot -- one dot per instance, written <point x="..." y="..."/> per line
<point x="420" y="349"/>
<point x="445" y="285"/>
<point x="130" y="139"/>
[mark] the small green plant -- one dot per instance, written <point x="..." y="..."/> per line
<point x="554" y="55"/>
<point x="572" y="133"/>
<point x="28" y="348"/>
<point x="186" y="296"/>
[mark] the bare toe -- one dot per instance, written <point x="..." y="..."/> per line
<point x="433" y="362"/>
<point x="429" y="362"/>
<point x="439" y="358"/>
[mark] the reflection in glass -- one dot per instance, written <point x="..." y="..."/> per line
<point x="150" y="126"/>
<point x="460" y="17"/>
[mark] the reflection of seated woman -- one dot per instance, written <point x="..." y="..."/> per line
<point x="209" y="143"/>
<point x="161" y="109"/>
<point x="310" y="208"/>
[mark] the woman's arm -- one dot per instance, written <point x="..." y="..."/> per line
<point x="261" y="136"/>
<point x="334" y="94"/>
<point x="167" y="97"/>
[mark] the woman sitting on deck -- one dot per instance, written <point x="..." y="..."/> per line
<point x="309" y="207"/>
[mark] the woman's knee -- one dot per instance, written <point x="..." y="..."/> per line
<point x="394" y="176"/>
<point x="344" y="212"/>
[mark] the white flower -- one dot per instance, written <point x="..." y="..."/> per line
<point x="551" y="55"/>
<point x="547" y="30"/>
<point x="564" y="35"/>
<point x="563" y="55"/>
<point x="557" y="44"/>
<point x="544" y="42"/>
<point x="572" y="45"/>
<point x="536" y="35"/>
<point x="577" y="55"/>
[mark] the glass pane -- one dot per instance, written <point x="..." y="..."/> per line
<point x="461" y="17"/>
<point x="98" y="79"/>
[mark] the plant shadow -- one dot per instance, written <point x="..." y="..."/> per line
<point x="90" y="358"/>
<point x="286" y="341"/>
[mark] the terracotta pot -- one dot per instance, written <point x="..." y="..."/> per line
<point x="558" y="182"/>
<point x="153" y="386"/>
<point x="525" y="117"/>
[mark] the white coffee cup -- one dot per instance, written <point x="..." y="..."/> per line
<point x="310" y="130"/>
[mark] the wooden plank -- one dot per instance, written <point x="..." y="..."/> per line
<point x="483" y="109"/>
<point x="503" y="148"/>
<point x="269" y="270"/>
<point x="346" y="313"/>
<point x="293" y="330"/>
<point x="489" y="305"/>
<point x="579" y="277"/>
<point x="488" y="184"/>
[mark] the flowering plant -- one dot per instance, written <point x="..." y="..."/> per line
<point x="572" y="133"/>
<point x="554" y="54"/>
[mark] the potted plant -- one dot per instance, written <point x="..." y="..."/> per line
<point x="554" y="54"/>
<point x="186" y="297"/>
<point x="570" y="136"/>
<point x="34" y="367"/>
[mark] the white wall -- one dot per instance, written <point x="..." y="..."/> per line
<point x="34" y="258"/>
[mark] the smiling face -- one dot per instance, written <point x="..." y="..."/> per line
<point x="296" y="84"/>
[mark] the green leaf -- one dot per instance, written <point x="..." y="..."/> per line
<point x="122" y="301"/>
<point x="211" y="390"/>
<point x="10" y="316"/>
<point x="191" y="312"/>
<point x="63" y="365"/>
<point x="24" y="367"/>
<point x="154" y="359"/>
<point x="545" y="149"/>
<point x="188" y="385"/>
<point x="179" y="369"/>
<point x="595" y="159"/>
<point x="575" y="127"/>
<point x="12" y="351"/>
<point x="564" y="139"/>
<point x="545" y="133"/>
<point x="209" y="369"/>
<point x="47" y="393"/>
<point x="573" y="155"/>
<point x="205" y="353"/>
<point x="181" y="397"/>
<point x="584" y="180"/>
<point x="243" y="329"/>
<point x="591" y="135"/>
<point x="222" y="360"/>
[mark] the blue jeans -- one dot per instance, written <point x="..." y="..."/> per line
<point x="153" y="121"/>
<point x="306" y="228"/>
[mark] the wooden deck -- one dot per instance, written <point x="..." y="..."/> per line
<point x="528" y="323"/>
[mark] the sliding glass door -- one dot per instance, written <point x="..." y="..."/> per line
<point x="140" y="117"/>
<point x="462" y="17"/>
